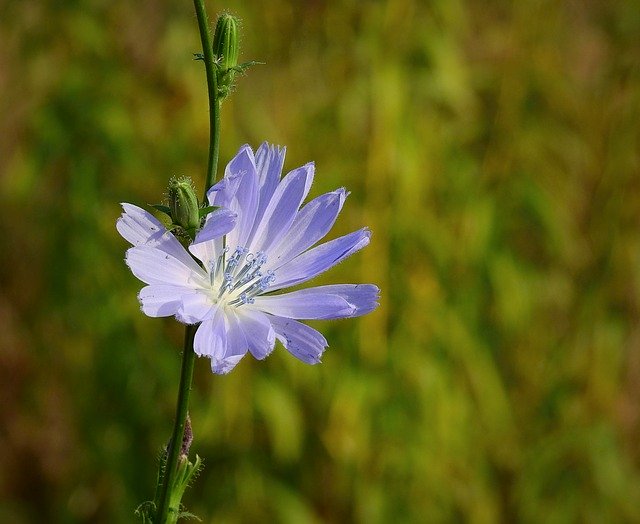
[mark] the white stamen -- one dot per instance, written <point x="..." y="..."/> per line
<point x="239" y="281"/>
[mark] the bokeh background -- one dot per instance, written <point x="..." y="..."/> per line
<point x="494" y="150"/>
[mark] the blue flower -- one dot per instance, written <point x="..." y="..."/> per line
<point x="258" y="242"/>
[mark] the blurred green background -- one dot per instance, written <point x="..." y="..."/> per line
<point x="494" y="150"/>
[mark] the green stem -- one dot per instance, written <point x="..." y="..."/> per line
<point x="212" y="88"/>
<point x="175" y="444"/>
<point x="164" y="513"/>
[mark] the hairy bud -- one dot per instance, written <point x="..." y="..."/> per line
<point x="183" y="203"/>
<point x="226" y="51"/>
<point x="225" y="41"/>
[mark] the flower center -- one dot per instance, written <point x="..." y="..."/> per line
<point x="237" y="279"/>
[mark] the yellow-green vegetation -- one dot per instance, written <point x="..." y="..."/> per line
<point x="494" y="150"/>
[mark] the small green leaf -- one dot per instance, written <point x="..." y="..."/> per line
<point x="187" y="515"/>
<point x="163" y="209"/>
<point x="241" y="68"/>
<point x="146" y="511"/>
<point x="204" y="211"/>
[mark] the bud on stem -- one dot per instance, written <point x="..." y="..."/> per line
<point x="225" y="41"/>
<point x="226" y="51"/>
<point x="183" y="203"/>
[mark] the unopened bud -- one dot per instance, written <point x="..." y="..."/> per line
<point x="183" y="203"/>
<point x="225" y="41"/>
<point x="226" y="51"/>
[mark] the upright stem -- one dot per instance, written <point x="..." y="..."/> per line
<point x="212" y="88"/>
<point x="175" y="444"/>
<point x="188" y="356"/>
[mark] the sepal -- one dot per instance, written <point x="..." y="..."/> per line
<point x="187" y="471"/>
<point x="204" y="211"/>
<point x="162" y="208"/>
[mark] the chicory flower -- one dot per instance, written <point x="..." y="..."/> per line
<point x="258" y="242"/>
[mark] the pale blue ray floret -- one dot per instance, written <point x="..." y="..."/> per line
<point x="258" y="241"/>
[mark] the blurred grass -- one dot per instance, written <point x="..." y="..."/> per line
<point x="494" y="150"/>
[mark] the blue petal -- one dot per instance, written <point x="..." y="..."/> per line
<point x="236" y="347"/>
<point x="269" y="162"/>
<point x="207" y="245"/>
<point x="319" y="259"/>
<point x="311" y="224"/>
<point x="306" y="306"/>
<point x="210" y="340"/>
<point x="362" y="298"/>
<point x="141" y="228"/>
<point x="207" y="252"/>
<point x="217" y="224"/>
<point x="282" y="209"/>
<point x="195" y="307"/>
<point x="160" y="300"/>
<point x="221" y="193"/>
<point x="153" y="266"/>
<point x="137" y="226"/>
<point x="257" y="329"/>
<point x="218" y="339"/>
<point x="238" y="192"/>
<point x="302" y="341"/>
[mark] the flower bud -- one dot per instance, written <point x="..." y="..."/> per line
<point x="226" y="51"/>
<point x="183" y="203"/>
<point x="225" y="41"/>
